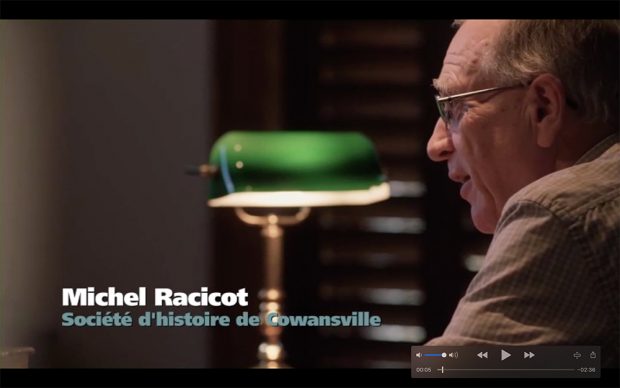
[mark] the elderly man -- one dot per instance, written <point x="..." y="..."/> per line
<point x="529" y="128"/>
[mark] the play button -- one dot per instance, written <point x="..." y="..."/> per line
<point x="505" y="354"/>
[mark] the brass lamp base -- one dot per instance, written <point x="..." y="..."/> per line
<point x="271" y="351"/>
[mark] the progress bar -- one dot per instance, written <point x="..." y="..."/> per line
<point x="538" y="369"/>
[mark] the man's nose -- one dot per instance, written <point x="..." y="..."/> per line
<point x="439" y="146"/>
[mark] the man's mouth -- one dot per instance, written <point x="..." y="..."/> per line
<point x="465" y="187"/>
<point x="459" y="177"/>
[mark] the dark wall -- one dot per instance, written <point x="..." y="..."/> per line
<point x="98" y="120"/>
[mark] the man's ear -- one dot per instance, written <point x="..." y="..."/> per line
<point x="547" y="95"/>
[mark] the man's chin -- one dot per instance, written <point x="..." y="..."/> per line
<point x="481" y="221"/>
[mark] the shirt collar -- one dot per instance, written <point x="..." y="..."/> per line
<point x="598" y="149"/>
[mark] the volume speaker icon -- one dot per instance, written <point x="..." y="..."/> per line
<point x="454" y="355"/>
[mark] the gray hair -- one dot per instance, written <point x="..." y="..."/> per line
<point x="583" y="54"/>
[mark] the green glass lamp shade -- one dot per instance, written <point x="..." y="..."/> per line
<point x="295" y="169"/>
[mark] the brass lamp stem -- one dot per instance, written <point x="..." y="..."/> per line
<point x="270" y="351"/>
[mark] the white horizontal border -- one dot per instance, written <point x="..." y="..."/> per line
<point x="303" y="198"/>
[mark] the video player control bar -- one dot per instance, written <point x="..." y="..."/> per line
<point x="505" y="361"/>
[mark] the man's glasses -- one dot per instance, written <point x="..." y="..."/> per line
<point x="446" y="110"/>
<point x="444" y="103"/>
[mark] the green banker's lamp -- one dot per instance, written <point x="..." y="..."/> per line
<point x="288" y="169"/>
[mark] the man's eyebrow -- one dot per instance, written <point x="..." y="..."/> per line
<point x="441" y="88"/>
<point x="446" y="89"/>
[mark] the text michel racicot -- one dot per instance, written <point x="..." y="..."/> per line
<point x="161" y="297"/>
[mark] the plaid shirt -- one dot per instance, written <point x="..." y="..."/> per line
<point x="550" y="276"/>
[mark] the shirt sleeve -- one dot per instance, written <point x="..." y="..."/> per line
<point x="534" y="287"/>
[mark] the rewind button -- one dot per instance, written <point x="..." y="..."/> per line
<point x="483" y="355"/>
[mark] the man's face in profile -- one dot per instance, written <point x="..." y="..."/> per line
<point x="488" y="146"/>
